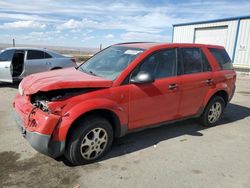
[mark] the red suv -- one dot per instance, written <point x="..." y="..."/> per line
<point x="77" y="112"/>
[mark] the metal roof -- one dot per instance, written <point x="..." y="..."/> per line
<point x="211" y="21"/>
<point x="27" y="48"/>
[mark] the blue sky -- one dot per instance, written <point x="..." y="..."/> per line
<point x="89" y="23"/>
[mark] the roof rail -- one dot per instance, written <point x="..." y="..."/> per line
<point x="134" y="42"/>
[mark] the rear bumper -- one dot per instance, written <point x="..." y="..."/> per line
<point x="43" y="143"/>
<point x="230" y="98"/>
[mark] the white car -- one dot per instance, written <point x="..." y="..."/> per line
<point x="16" y="63"/>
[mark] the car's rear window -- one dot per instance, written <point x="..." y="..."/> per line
<point x="35" y="54"/>
<point x="47" y="56"/>
<point x="222" y="58"/>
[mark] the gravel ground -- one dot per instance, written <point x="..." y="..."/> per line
<point x="183" y="154"/>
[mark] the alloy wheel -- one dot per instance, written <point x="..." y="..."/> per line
<point x="94" y="143"/>
<point x="214" y="112"/>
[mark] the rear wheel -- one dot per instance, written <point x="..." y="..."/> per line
<point x="89" y="141"/>
<point x="213" y="111"/>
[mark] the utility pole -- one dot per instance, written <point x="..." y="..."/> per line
<point x="14" y="43"/>
<point x="100" y="46"/>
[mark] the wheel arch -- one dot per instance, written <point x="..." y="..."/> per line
<point x="115" y="113"/>
<point x="107" y="114"/>
<point x="223" y="94"/>
<point x="220" y="92"/>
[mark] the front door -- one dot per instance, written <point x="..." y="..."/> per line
<point x="6" y="65"/>
<point x="156" y="102"/>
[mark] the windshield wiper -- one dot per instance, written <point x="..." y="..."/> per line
<point x="88" y="71"/>
<point x="91" y="72"/>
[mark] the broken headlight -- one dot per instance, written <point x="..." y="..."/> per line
<point x="42" y="104"/>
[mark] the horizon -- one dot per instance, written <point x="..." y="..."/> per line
<point x="91" y="23"/>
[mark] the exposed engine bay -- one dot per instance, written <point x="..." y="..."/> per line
<point x="42" y="98"/>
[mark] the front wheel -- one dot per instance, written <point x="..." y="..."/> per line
<point x="213" y="111"/>
<point x="89" y="141"/>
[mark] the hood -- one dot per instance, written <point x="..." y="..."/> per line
<point x="62" y="79"/>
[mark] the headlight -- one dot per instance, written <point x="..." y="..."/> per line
<point x="20" y="89"/>
<point x="43" y="105"/>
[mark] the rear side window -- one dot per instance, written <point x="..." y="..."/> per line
<point x="161" y="64"/>
<point x="222" y="58"/>
<point x="35" y="54"/>
<point x="47" y="56"/>
<point x="6" y="55"/>
<point x="194" y="61"/>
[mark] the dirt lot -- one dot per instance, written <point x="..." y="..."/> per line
<point x="178" y="155"/>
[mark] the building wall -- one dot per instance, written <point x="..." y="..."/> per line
<point x="242" y="51"/>
<point x="186" y="33"/>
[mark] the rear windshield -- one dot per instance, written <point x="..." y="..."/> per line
<point x="222" y="58"/>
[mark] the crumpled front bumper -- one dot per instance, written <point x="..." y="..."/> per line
<point x="41" y="142"/>
<point x="40" y="135"/>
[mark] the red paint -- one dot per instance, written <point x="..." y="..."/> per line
<point x="64" y="78"/>
<point x="137" y="106"/>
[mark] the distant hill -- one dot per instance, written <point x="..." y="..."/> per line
<point x="59" y="49"/>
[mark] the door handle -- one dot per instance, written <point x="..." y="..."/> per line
<point x="209" y="81"/>
<point x="172" y="86"/>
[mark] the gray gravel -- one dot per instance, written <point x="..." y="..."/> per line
<point x="183" y="154"/>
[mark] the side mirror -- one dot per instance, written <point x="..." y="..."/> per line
<point x="142" y="78"/>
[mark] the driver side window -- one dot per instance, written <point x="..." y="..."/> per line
<point x="161" y="64"/>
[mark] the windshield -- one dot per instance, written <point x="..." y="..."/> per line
<point x="110" y="62"/>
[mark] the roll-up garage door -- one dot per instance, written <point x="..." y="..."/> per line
<point x="211" y="35"/>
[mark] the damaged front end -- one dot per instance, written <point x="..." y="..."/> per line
<point x="44" y="99"/>
<point x="39" y="115"/>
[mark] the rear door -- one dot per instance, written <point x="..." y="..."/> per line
<point x="35" y="62"/>
<point x="6" y="66"/>
<point x="196" y="80"/>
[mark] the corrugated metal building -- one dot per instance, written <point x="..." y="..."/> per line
<point x="232" y="33"/>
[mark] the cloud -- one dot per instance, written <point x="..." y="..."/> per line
<point x="71" y="24"/>
<point x="88" y="38"/>
<point x="155" y="21"/>
<point x="23" y="25"/>
<point x="76" y="24"/>
<point x="138" y="20"/>
<point x="17" y="16"/>
<point x="75" y="30"/>
<point x="144" y="37"/>
<point x="109" y="36"/>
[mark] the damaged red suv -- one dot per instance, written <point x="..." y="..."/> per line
<point x="78" y="112"/>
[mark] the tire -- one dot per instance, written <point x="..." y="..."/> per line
<point x="91" y="138"/>
<point x="213" y="111"/>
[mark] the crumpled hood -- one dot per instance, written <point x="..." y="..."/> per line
<point x="62" y="79"/>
